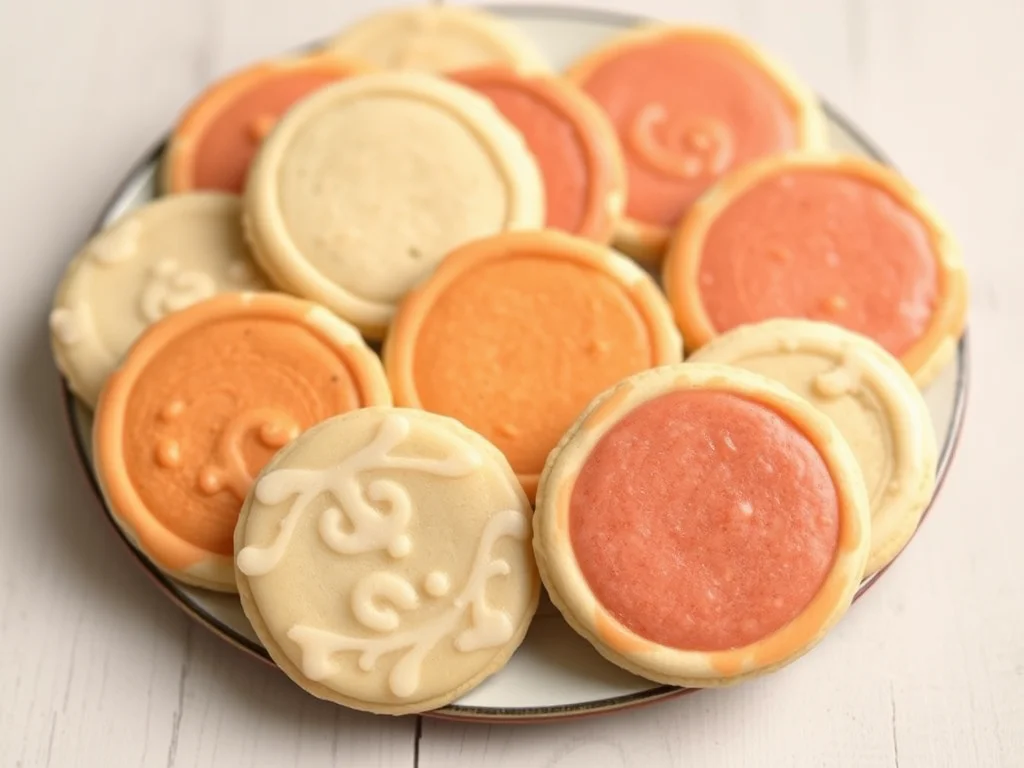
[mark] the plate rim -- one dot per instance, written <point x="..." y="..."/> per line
<point x="458" y="712"/>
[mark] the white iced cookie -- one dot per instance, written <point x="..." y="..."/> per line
<point x="155" y="260"/>
<point x="384" y="560"/>
<point x="871" y="399"/>
<point x="365" y="186"/>
<point x="438" y="38"/>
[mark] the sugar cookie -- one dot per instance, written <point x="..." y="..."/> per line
<point x="870" y="398"/>
<point x="689" y="104"/>
<point x="204" y="398"/>
<point x="824" y="237"/>
<point x="573" y="142"/>
<point x="384" y="560"/>
<point x="217" y="137"/>
<point x="157" y="259"/>
<point x="439" y="38"/>
<point x="701" y="524"/>
<point x="366" y="185"/>
<point x="515" y="334"/>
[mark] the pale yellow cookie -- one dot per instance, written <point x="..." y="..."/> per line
<point x="438" y="38"/>
<point x="701" y="524"/>
<point x="871" y="399"/>
<point x="384" y="560"/>
<point x="157" y="259"/>
<point x="365" y="186"/>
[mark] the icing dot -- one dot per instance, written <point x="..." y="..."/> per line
<point x="168" y="453"/>
<point x="210" y="480"/>
<point x="836" y="383"/>
<point x="835" y="304"/>
<point x="437" y="584"/>
<point x="746" y="508"/>
<point x="172" y="410"/>
<point x="400" y="546"/>
<point x="64" y="327"/>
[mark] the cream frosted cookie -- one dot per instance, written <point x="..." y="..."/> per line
<point x="701" y="524"/>
<point x="157" y="259"/>
<point x="202" y="400"/>
<point x="365" y="186"/>
<point x="384" y="560"/>
<point x="438" y="38"/>
<point x="870" y="398"/>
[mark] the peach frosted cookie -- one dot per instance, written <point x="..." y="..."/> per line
<point x="384" y="560"/>
<point x="700" y="524"/>
<point x="870" y="398"/>
<point x="152" y="261"/>
<point x="217" y="137"/>
<point x="202" y="401"/>
<point x="574" y="144"/>
<point x="690" y="104"/>
<point x="438" y="38"/>
<point x="515" y="334"/>
<point x="824" y="237"/>
<point x="363" y="188"/>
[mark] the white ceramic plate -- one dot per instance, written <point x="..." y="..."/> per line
<point x="555" y="673"/>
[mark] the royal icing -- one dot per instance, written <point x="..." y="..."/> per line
<point x="356" y="525"/>
<point x="488" y="627"/>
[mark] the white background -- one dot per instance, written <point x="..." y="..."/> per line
<point x="97" y="668"/>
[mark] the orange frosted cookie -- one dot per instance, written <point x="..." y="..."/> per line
<point x="575" y="146"/>
<point x="202" y="401"/>
<point x="700" y="524"/>
<point x="218" y="135"/>
<point x="830" y="238"/>
<point x="515" y="334"/>
<point x="689" y="104"/>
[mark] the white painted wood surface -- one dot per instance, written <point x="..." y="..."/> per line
<point x="98" y="669"/>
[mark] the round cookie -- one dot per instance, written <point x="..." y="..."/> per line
<point x="203" y="399"/>
<point x="365" y="186"/>
<point x="157" y="259"/>
<point x="689" y="104"/>
<point x="701" y="524"/>
<point x="438" y="38"/>
<point x="824" y="237"/>
<point x="217" y="137"/>
<point x="869" y="397"/>
<point x="515" y="334"/>
<point x="574" y="144"/>
<point x="384" y="560"/>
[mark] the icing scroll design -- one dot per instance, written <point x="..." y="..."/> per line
<point x="171" y="288"/>
<point x="369" y="528"/>
<point x="685" y="148"/>
<point x="488" y="626"/>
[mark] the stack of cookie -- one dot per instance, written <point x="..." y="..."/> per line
<point x="390" y="352"/>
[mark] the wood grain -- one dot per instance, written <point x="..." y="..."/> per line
<point x="99" y="669"/>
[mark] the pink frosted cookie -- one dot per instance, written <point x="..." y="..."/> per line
<point x="701" y="524"/>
